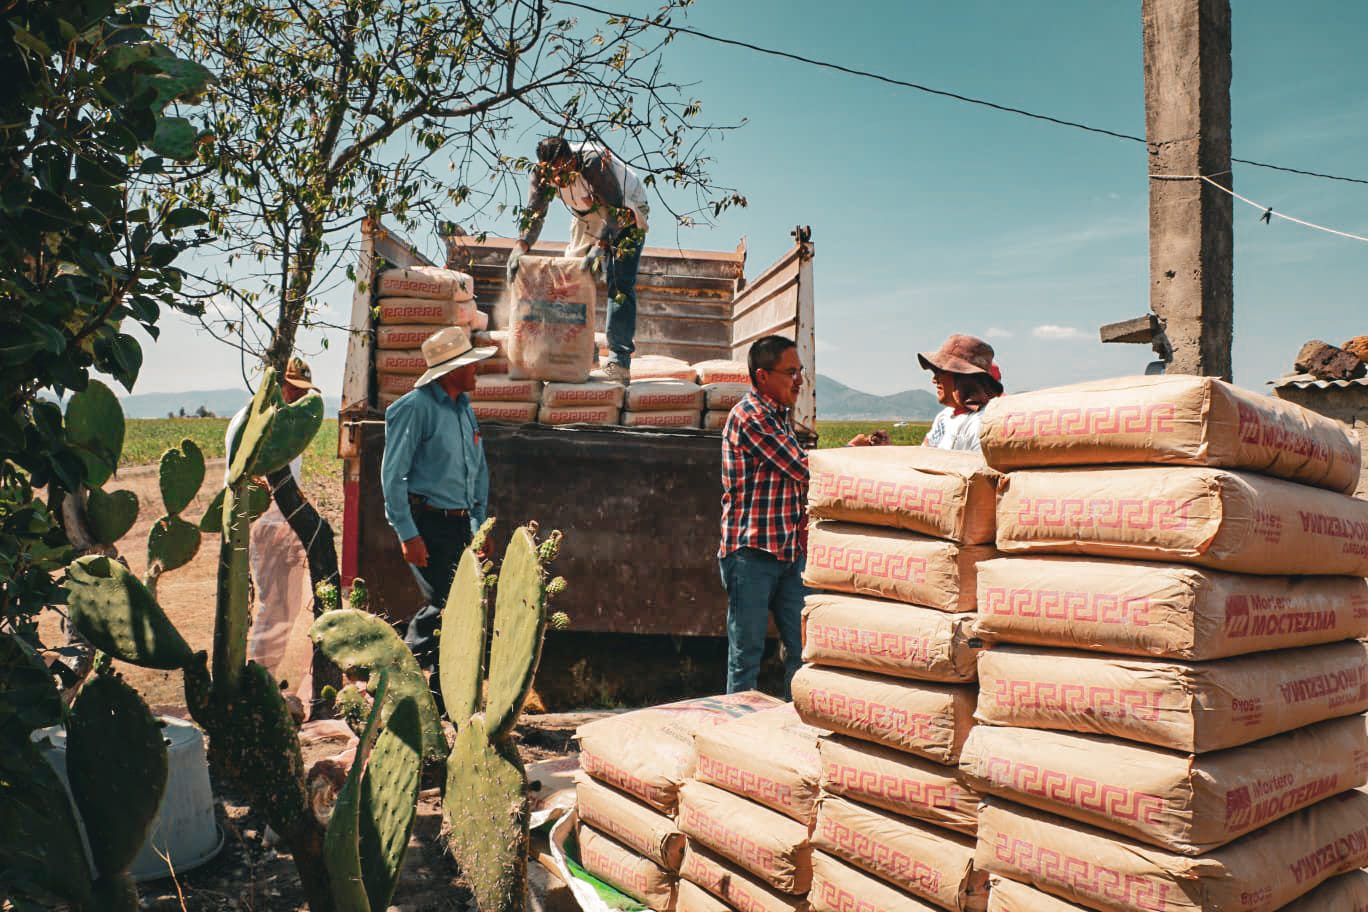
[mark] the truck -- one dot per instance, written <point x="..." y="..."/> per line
<point x="639" y="507"/>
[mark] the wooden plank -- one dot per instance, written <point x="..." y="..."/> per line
<point x="356" y="373"/>
<point x="776" y="311"/>
<point x="467" y="254"/>
<point x="805" y="334"/>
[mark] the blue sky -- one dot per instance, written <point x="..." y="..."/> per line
<point x="931" y="216"/>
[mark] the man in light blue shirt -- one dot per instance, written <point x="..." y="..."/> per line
<point x="434" y="475"/>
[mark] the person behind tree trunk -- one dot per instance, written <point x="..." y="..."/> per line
<point x="610" y="215"/>
<point x="764" y="516"/>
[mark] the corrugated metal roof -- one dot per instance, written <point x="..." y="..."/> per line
<point x="1303" y="381"/>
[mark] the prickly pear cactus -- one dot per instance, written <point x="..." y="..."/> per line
<point x="519" y="625"/>
<point x="95" y="430"/>
<point x="461" y="647"/>
<point x="180" y="474"/>
<point x="173" y="542"/>
<point x="273" y="433"/>
<point x="110" y="514"/>
<point x="119" y="615"/>
<point x="389" y="802"/>
<point x="487" y="814"/>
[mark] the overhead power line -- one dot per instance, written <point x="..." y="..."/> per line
<point x="929" y="90"/>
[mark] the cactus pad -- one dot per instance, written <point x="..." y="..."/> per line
<point x="461" y="647"/>
<point x="258" y="502"/>
<point x="355" y="640"/>
<point x="39" y="839"/>
<point x="389" y="802"/>
<point x="180" y="474"/>
<point x="116" y="762"/>
<point x="342" y="841"/>
<point x="95" y="430"/>
<point x="252" y="432"/>
<point x="487" y="812"/>
<point x="110" y="514"/>
<point x="290" y="434"/>
<point x="116" y="613"/>
<point x="172" y="542"/>
<point x="519" y="623"/>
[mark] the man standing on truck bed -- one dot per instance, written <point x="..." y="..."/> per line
<point x="434" y="475"/>
<point x="608" y="202"/>
<point x="764" y="516"/>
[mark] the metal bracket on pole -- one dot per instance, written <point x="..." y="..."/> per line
<point x="1146" y="330"/>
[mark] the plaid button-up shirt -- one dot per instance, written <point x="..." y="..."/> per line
<point x="764" y="481"/>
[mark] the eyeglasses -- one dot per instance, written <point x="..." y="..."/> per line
<point x="792" y="373"/>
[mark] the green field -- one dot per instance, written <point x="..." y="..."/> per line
<point x="145" y="439"/>
<point x="839" y="433"/>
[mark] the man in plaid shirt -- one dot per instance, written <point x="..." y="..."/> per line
<point x="764" y="516"/>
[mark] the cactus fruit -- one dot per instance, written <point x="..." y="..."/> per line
<point x="463" y="637"/>
<point x="560" y="621"/>
<point x="359" y="596"/>
<point x="487" y="812"/>
<point x="519" y="622"/>
<point x="480" y="540"/>
<point x="95" y="430"/>
<point x="110" y="515"/>
<point x="114" y="611"/>
<point x="549" y="550"/>
<point x="180" y="474"/>
<point x="328" y="596"/>
<point x="555" y="587"/>
<point x="172" y="542"/>
<point x="353" y="706"/>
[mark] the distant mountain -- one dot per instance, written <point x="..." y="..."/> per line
<point x="223" y="402"/>
<point x="838" y="402"/>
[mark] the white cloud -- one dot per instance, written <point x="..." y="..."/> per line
<point x="997" y="332"/>
<point x="1052" y="331"/>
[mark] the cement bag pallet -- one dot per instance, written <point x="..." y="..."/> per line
<point x="662" y="367"/>
<point x="1211" y="517"/>
<point x="714" y="421"/>
<point x="505" y="412"/>
<point x="637" y="826"/>
<point x="887" y="563"/>
<point x="942" y="493"/>
<point x="1184" y="706"/>
<point x="430" y="282"/>
<point x="397" y="384"/>
<point x="434" y="313"/>
<point x="686" y="418"/>
<point x="1009" y="896"/>
<point x="905" y="641"/>
<point x="771" y="846"/>
<point x="551" y="321"/>
<point x="1177" y="802"/>
<point x="615" y="864"/>
<point x="1167" y="610"/>
<point x="575" y="414"/>
<point x="650" y="752"/>
<point x="738" y="888"/>
<point x="1259" y="873"/>
<point x="1347" y="891"/>
<point x="664" y="396"/>
<point x="899" y="782"/>
<point x="1178" y="420"/>
<point x="401" y="361"/>
<point x="769" y="757"/>
<point x="495" y="365"/>
<point x="930" y="720"/>
<point x="573" y="395"/>
<point x="839" y="887"/>
<point x="722" y="371"/>
<point x="720" y="397"/>
<point x="934" y="864"/>
<point x="502" y="388"/>
<point x="391" y="338"/>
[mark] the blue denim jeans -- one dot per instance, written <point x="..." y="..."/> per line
<point x="758" y="584"/>
<point x="623" y="259"/>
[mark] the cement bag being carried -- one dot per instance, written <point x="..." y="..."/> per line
<point x="427" y="311"/>
<point x="409" y="361"/>
<point x="502" y="388"/>
<point x="578" y="414"/>
<point x="505" y="412"/>
<point x="430" y="282"/>
<point x="720" y="397"/>
<point x="771" y="846"/>
<point x="551" y="321"/>
<point x="722" y="371"/>
<point x="904" y="641"/>
<point x="886" y="563"/>
<point x="1009" y="896"/>
<point x="574" y="395"/>
<point x="769" y="757"/>
<point x="650" y="752"/>
<point x="1178" y="802"/>
<point x="637" y="826"/>
<point x="664" y="396"/>
<point x="942" y="493"/>
<point x="930" y="720"/>
<point x="403" y="337"/>
<point x="1347" y="891"/>
<point x="926" y="861"/>
<point x="394" y="384"/>
<point x="671" y="419"/>
<point x="1215" y="518"/>
<point x="715" y="421"/>
<point x="1259" y="873"/>
<point x="742" y="890"/>
<point x="615" y="864"/>
<point x="1168" y="610"/>
<point x="838" y="887"/>
<point x="1184" y="706"/>
<point x="895" y="781"/>
<point x="1173" y="419"/>
<point x="661" y="367"/>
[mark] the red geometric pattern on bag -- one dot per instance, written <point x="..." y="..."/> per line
<point x="854" y="782"/>
<point x="879" y="717"/>
<point x="723" y="839"/>
<point x="1114" y="801"/>
<point x="875" y="644"/>
<point x="619" y="829"/>
<point x="888" y="496"/>
<point x="889" y="863"/>
<point x="1082" y="876"/>
<point x="601" y="769"/>
<point x="659" y="402"/>
<point x="1135" y="513"/>
<point x="878" y="564"/>
<point x="833" y="897"/>
<point x="1063" y="605"/>
<point x="746" y="782"/>
<point x="1149" y="418"/>
<point x="718" y="881"/>
<point x="1077" y="699"/>
<point x="615" y="871"/>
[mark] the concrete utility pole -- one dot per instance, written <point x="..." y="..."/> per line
<point x="1187" y="124"/>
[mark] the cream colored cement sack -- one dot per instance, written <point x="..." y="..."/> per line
<point x="839" y="887"/>
<point x="1345" y="893"/>
<point x="741" y="890"/>
<point x="400" y="361"/>
<point x="942" y="493"/>
<point x="640" y="878"/>
<point x="1168" y="610"/>
<point x="692" y="898"/>
<point x="404" y="337"/>
<point x="926" y="861"/>
<point x="899" y="782"/>
<point x="430" y="282"/>
<point x="930" y="720"/>
<point x="663" y="396"/>
<point x="720" y="397"/>
<point x="905" y="641"/>
<point x="505" y="412"/>
<point x="577" y="414"/>
<point x="436" y="314"/>
<point x="551" y="321"/>
<point x="571" y="395"/>
<point x="688" y="418"/>
<point x="1211" y="517"/>
<point x="1184" y="706"/>
<point x="636" y="825"/>
<point x="722" y="371"/>
<point x="771" y="846"/>
<point x="502" y="388"/>
<point x="887" y="563"/>
<point x="650" y="752"/>
<point x="1179" y="420"/>
<point x="715" y="421"/>
<point x="1009" y="896"/>
<point x="769" y="757"/>
<point x="662" y="367"/>
<point x="1259" y="873"/>
<point x="1178" y="802"/>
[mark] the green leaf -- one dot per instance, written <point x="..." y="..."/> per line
<point x="39" y="839"/>
<point x="27" y="39"/>
<point x="185" y="218"/>
<point x="174" y="138"/>
<point x="95" y="430"/>
<point x="121" y="357"/>
<point x="28" y="697"/>
<point x="110" y="515"/>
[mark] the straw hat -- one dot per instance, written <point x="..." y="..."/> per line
<point x="449" y="349"/>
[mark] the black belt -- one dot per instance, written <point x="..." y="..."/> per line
<point x="420" y="503"/>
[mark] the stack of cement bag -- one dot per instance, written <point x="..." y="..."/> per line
<point x="897" y="538"/>
<point x="634" y="767"/>
<point x="1174" y="692"/>
<point x="725" y="383"/>
<point x="414" y="303"/>
<point x="748" y="814"/>
<point x="663" y="404"/>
